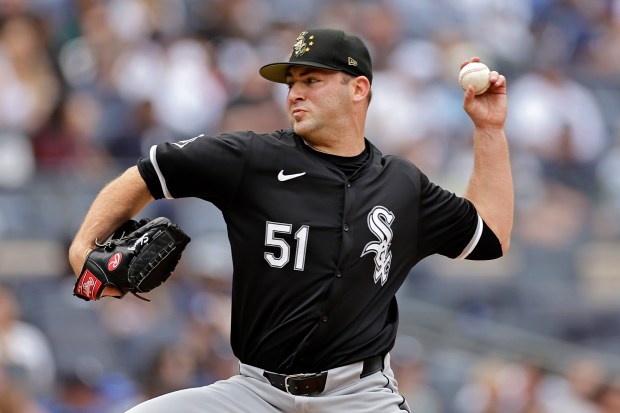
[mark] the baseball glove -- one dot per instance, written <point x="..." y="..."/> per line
<point x="138" y="257"/>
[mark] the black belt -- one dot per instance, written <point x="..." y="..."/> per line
<point x="311" y="384"/>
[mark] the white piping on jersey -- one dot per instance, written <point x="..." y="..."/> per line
<point x="474" y="240"/>
<point x="162" y="180"/>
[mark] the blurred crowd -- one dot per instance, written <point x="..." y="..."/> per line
<point x="88" y="86"/>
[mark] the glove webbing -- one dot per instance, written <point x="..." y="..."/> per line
<point x="154" y="263"/>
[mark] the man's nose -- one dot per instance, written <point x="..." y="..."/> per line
<point x="296" y="92"/>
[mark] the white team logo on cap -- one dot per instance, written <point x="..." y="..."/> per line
<point x="379" y="222"/>
<point x="300" y="47"/>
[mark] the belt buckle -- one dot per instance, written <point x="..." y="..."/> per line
<point x="292" y="376"/>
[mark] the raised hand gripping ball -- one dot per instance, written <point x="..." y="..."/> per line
<point x="476" y="74"/>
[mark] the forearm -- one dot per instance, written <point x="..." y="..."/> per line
<point x="117" y="202"/>
<point x="491" y="187"/>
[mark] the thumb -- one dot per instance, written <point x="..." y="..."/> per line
<point x="110" y="291"/>
<point x="468" y="98"/>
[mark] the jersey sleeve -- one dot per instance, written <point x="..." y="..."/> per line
<point x="207" y="167"/>
<point x="449" y="224"/>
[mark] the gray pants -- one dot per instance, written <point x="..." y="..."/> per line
<point x="250" y="392"/>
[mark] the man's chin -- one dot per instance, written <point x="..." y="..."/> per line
<point x="304" y="127"/>
<point x="300" y="128"/>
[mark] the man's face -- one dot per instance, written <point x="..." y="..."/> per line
<point x="317" y="99"/>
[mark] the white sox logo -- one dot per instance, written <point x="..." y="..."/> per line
<point x="300" y="47"/>
<point x="379" y="222"/>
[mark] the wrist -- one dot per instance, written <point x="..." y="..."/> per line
<point x="490" y="131"/>
<point x="77" y="257"/>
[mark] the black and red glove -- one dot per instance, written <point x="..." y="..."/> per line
<point x="138" y="257"/>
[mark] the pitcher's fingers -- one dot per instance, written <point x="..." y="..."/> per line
<point x="466" y="62"/>
<point x="497" y="80"/>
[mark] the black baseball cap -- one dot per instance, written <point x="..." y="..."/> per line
<point x="327" y="49"/>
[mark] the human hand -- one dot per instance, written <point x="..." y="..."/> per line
<point x="489" y="109"/>
<point x="76" y="260"/>
<point x="138" y="257"/>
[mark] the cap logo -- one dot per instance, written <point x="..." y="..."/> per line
<point x="352" y="62"/>
<point x="300" y="47"/>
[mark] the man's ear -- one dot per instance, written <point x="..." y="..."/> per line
<point x="361" y="88"/>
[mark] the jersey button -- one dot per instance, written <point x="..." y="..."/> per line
<point x="324" y="319"/>
<point x="346" y="227"/>
<point x="348" y="184"/>
<point x="338" y="274"/>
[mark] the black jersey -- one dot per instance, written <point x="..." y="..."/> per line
<point x="318" y="256"/>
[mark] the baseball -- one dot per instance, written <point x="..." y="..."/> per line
<point x="476" y="74"/>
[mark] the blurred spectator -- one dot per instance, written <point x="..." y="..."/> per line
<point x="408" y="360"/>
<point x="403" y="117"/>
<point x="558" y="220"/>
<point x="190" y="98"/>
<point x="88" y="390"/>
<point x="608" y="400"/>
<point x="608" y="174"/>
<point x="138" y="328"/>
<point x="17" y="160"/>
<point x="75" y="395"/>
<point x="604" y="50"/>
<point x="253" y="106"/>
<point x="381" y="27"/>
<point x="14" y="398"/>
<point x="29" y="86"/>
<point x="174" y="367"/>
<point x="24" y="350"/>
<point x="568" y="139"/>
<point x="576" y="392"/>
<point x="499" y="386"/>
<point x="66" y="142"/>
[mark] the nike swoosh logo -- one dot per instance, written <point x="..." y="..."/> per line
<point x="282" y="177"/>
<point x="181" y="144"/>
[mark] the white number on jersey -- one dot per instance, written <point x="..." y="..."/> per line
<point x="272" y="240"/>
